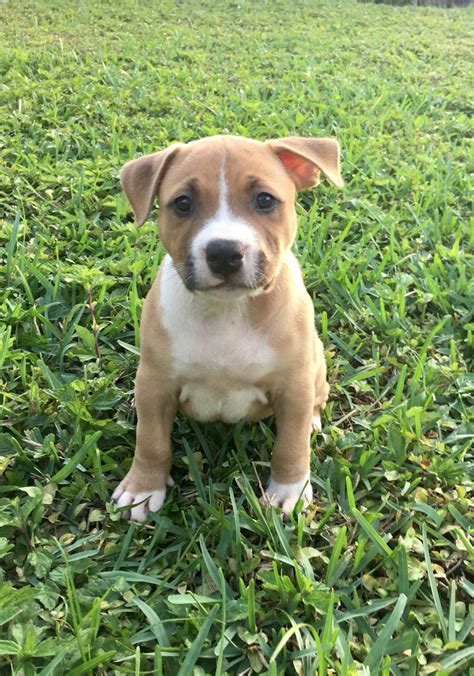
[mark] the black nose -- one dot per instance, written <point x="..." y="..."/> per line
<point x="224" y="256"/>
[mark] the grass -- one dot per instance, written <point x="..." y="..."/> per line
<point x="375" y="578"/>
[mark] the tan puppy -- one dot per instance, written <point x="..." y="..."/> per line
<point x="227" y="330"/>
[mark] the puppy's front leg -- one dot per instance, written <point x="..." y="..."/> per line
<point x="291" y="454"/>
<point x="149" y="474"/>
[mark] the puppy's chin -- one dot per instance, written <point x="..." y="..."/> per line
<point x="226" y="293"/>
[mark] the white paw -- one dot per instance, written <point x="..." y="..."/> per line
<point x="316" y="424"/>
<point x="287" y="495"/>
<point x="139" y="502"/>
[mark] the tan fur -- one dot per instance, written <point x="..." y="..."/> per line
<point x="282" y="311"/>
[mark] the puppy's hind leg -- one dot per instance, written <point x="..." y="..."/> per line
<point x="321" y="385"/>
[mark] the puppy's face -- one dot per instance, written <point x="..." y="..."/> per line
<point x="226" y="207"/>
<point x="227" y="215"/>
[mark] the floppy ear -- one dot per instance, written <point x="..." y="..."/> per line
<point x="304" y="158"/>
<point x="141" y="180"/>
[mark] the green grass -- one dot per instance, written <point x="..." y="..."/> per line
<point x="375" y="578"/>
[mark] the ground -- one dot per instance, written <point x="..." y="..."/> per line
<point x="374" y="579"/>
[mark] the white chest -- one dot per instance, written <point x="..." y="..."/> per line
<point x="217" y="356"/>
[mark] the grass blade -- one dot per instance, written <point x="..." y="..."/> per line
<point x="195" y="650"/>
<point x="11" y="246"/>
<point x="434" y="589"/>
<point x="457" y="659"/>
<point x="336" y="553"/>
<point x="49" y="669"/>
<point x="93" y="662"/>
<point x="156" y="625"/>
<point x="212" y="568"/>
<point x="78" y="457"/>
<point x="379" y="649"/>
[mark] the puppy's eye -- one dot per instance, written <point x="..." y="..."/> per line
<point x="265" y="202"/>
<point x="183" y="205"/>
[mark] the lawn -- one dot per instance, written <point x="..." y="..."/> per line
<point x="374" y="579"/>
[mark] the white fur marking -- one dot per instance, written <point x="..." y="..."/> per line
<point x="150" y="501"/>
<point x="287" y="495"/>
<point x="225" y="225"/>
<point x="216" y="354"/>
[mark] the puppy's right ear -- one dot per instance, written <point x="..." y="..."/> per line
<point x="141" y="180"/>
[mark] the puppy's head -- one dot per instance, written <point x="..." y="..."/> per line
<point x="227" y="211"/>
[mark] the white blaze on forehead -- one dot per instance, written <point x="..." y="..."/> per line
<point x="224" y="224"/>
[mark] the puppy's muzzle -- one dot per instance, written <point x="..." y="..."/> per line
<point x="224" y="256"/>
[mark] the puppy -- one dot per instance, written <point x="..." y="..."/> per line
<point x="227" y="329"/>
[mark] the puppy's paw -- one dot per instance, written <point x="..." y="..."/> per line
<point x="140" y="502"/>
<point x="316" y="424"/>
<point x="286" y="496"/>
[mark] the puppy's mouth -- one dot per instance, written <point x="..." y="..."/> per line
<point x="225" y="285"/>
<point x="230" y="284"/>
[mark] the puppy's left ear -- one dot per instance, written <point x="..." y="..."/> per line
<point x="304" y="158"/>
